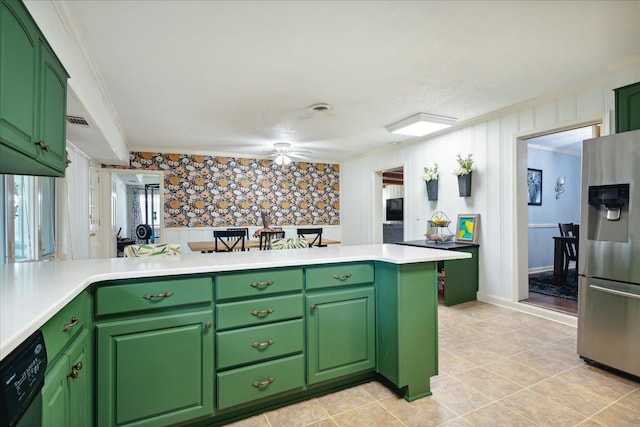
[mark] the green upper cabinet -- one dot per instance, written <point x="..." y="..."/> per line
<point x="33" y="97"/>
<point x="628" y="108"/>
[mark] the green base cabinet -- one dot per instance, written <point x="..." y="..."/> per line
<point x="33" y="104"/>
<point x="340" y="333"/>
<point x="461" y="278"/>
<point x="67" y="396"/>
<point x="156" y="370"/>
<point x="627" y="107"/>
<point x="407" y="326"/>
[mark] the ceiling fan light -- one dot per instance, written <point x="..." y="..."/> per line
<point x="282" y="159"/>
<point x="421" y="124"/>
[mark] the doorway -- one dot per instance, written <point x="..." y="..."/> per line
<point x="393" y="205"/>
<point x="552" y="193"/>
<point x="131" y="198"/>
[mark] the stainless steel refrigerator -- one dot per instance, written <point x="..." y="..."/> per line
<point x="609" y="252"/>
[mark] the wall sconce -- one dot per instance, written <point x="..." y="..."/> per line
<point x="421" y="124"/>
<point x="559" y="186"/>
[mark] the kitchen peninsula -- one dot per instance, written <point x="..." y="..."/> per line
<point x="265" y="328"/>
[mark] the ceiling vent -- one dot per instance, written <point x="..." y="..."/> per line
<point x="78" y="121"/>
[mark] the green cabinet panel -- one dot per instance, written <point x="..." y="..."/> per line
<point x="461" y="278"/>
<point x="343" y="274"/>
<point x="53" y="111"/>
<point x="153" y="294"/>
<point x="258" y="311"/>
<point x="407" y="326"/>
<point x="259" y="381"/>
<point x="33" y="104"/>
<point x="55" y="394"/>
<point x="340" y="333"/>
<point x="67" y="394"/>
<point x="247" y="345"/>
<point x="155" y="370"/>
<point x="255" y="283"/>
<point x="18" y="64"/>
<point x="627" y="107"/>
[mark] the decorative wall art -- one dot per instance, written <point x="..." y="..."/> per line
<point x="534" y="186"/>
<point x="208" y="191"/>
<point x="467" y="228"/>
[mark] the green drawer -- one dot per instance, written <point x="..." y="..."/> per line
<point x="258" y="282"/>
<point x="257" y="381"/>
<point x="258" y="311"/>
<point x="257" y="343"/>
<point x="331" y="275"/>
<point x="153" y="294"/>
<point x="66" y="324"/>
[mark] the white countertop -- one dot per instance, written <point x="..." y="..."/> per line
<point x="31" y="293"/>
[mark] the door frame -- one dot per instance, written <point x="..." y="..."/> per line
<point x="521" y="270"/>
<point x="377" y="209"/>
<point x="106" y="235"/>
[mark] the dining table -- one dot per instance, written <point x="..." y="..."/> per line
<point x="209" y="246"/>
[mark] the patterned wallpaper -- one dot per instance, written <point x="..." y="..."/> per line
<point x="207" y="191"/>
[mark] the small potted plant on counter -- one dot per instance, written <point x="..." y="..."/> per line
<point x="465" y="165"/>
<point x="430" y="177"/>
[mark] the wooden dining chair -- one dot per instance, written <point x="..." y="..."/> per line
<point x="569" y="248"/>
<point x="266" y="237"/>
<point x="229" y="240"/>
<point x="315" y="236"/>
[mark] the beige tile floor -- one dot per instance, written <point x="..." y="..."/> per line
<point x="498" y="367"/>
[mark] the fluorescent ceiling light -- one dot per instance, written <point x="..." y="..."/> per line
<point x="421" y="124"/>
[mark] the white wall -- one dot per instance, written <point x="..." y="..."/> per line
<point x="496" y="179"/>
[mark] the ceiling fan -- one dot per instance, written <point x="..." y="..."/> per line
<point x="283" y="153"/>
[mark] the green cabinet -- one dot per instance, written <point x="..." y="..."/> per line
<point x="340" y="333"/>
<point x="460" y="277"/>
<point x="33" y="84"/>
<point x="627" y="107"/>
<point x="67" y="397"/>
<point x="407" y="326"/>
<point x="155" y="370"/>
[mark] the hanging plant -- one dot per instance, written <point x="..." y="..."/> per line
<point x="464" y="169"/>
<point x="430" y="177"/>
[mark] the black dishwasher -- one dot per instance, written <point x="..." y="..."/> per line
<point x="22" y="375"/>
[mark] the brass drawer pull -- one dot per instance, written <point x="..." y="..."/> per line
<point x="67" y="326"/>
<point x="43" y="146"/>
<point x="263" y="312"/>
<point x="262" y="284"/>
<point x="263" y="383"/>
<point x="208" y="325"/>
<point x="165" y="295"/>
<point x="261" y="345"/>
<point x="342" y="276"/>
<point x="74" y="370"/>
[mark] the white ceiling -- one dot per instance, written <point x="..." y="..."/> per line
<point x="237" y="76"/>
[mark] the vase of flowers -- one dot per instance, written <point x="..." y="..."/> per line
<point x="464" y="169"/>
<point x="430" y="177"/>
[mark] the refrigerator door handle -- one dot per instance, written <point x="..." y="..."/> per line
<point x="614" y="291"/>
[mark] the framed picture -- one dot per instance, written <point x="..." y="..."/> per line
<point x="534" y="186"/>
<point x="467" y="228"/>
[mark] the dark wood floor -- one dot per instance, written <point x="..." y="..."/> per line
<point x="562" y="305"/>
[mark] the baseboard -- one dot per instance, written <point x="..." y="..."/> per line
<point x="554" y="316"/>
<point x="535" y="270"/>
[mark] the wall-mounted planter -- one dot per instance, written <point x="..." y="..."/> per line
<point x="432" y="189"/>
<point x="464" y="185"/>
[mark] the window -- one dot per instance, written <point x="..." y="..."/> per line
<point x="28" y="213"/>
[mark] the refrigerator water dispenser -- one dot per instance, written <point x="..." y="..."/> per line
<point x="608" y="214"/>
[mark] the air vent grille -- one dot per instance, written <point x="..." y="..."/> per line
<point x="78" y="121"/>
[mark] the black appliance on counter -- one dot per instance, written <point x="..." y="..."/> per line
<point x="22" y="376"/>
